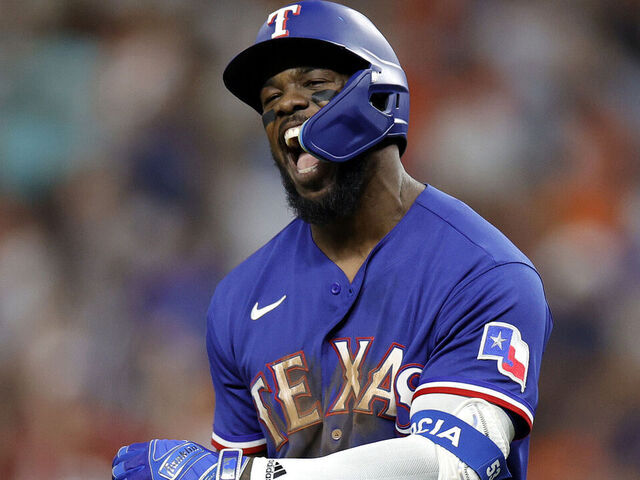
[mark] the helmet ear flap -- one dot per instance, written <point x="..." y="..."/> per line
<point x="387" y="102"/>
<point x="350" y="123"/>
<point x="380" y="101"/>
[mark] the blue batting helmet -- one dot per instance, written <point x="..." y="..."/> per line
<point x="373" y="105"/>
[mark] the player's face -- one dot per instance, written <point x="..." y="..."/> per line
<point x="288" y="99"/>
<point x="317" y="190"/>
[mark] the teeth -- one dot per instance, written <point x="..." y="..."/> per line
<point x="291" y="136"/>
<point x="308" y="169"/>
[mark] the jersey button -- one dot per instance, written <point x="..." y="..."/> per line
<point x="335" y="288"/>
<point x="336" y="434"/>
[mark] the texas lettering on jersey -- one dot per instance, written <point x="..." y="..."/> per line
<point x="390" y="383"/>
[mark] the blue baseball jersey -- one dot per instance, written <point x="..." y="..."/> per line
<point x="305" y="363"/>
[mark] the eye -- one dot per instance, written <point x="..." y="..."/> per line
<point x="315" y="82"/>
<point x="269" y="97"/>
<point x="272" y="97"/>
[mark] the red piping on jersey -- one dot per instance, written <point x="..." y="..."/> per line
<point x="246" y="451"/>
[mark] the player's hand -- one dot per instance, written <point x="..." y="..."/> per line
<point x="167" y="459"/>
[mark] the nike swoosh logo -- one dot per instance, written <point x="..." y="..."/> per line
<point x="257" y="312"/>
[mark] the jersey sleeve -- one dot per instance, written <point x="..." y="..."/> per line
<point x="235" y="423"/>
<point x="489" y="338"/>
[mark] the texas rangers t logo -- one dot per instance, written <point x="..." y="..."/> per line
<point x="503" y="342"/>
<point x="280" y="17"/>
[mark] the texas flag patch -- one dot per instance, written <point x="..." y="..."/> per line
<point x="503" y="342"/>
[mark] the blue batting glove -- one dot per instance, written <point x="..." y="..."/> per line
<point x="165" y="460"/>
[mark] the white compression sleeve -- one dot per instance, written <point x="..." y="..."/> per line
<point x="410" y="458"/>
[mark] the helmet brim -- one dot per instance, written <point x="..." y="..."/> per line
<point x="247" y="73"/>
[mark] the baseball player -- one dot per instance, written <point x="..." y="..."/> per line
<point x="388" y="331"/>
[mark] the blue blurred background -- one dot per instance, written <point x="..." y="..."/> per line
<point x="131" y="181"/>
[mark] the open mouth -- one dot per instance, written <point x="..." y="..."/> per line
<point x="305" y="162"/>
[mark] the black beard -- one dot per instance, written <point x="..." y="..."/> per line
<point x="342" y="199"/>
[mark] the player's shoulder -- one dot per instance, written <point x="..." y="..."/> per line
<point x="272" y="256"/>
<point x="462" y="230"/>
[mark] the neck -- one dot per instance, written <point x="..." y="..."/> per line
<point x="389" y="194"/>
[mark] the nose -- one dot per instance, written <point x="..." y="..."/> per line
<point x="292" y="100"/>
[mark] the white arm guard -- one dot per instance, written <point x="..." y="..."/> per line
<point x="411" y="458"/>
<point x="485" y="417"/>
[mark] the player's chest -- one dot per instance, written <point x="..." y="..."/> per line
<point x="345" y="358"/>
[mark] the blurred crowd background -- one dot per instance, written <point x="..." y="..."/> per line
<point x="131" y="181"/>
